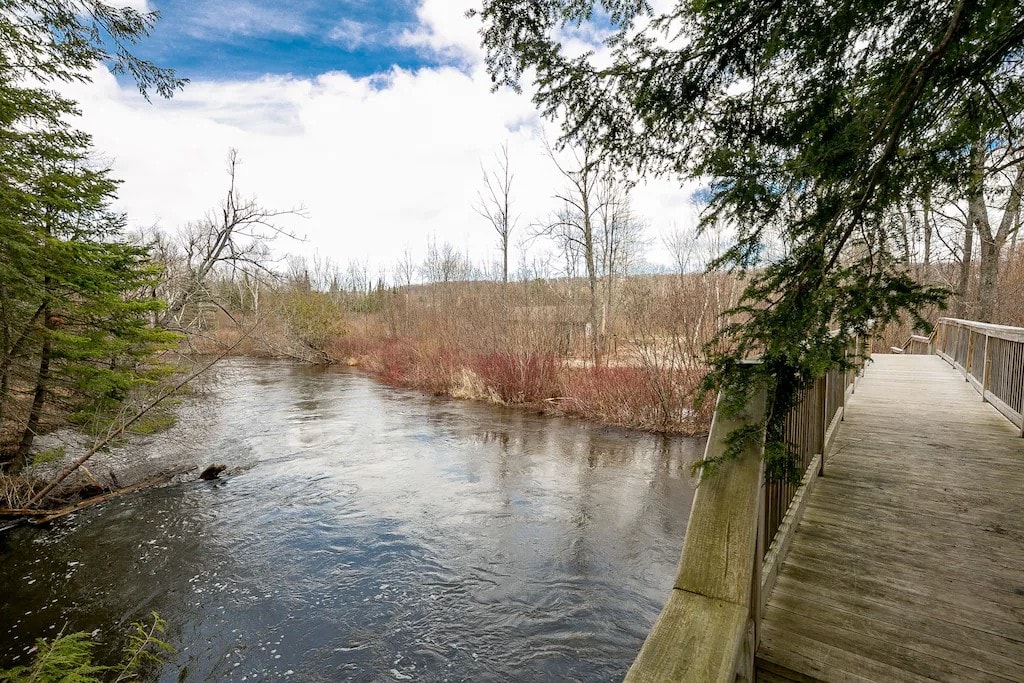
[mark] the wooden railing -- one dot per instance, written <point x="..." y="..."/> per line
<point x="991" y="357"/>
<point x="917" y="345"/>
<point x="739" y="530"/>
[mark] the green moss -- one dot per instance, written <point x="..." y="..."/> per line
<point x="49" y="455"/>
<point x="154" y="422"/>
<point x="98" y="423"/>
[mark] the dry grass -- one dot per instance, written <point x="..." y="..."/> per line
<point x="16" y="491"/>
<point x="528" y="343"/>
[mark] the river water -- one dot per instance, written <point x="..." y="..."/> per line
<point x="368" y="533"/>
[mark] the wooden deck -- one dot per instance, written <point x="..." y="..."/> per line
<point x="908" y="564"/>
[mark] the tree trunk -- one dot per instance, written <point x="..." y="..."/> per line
<point x="927" y="225"/>
<point x="960" y="310"/>
<point x="4" y="388"/>
<point x="588" y="255"/>
<point x="975" y="210"/>
<point x="992" y="249"/>
<point x="988" y="276"/>
<point x="38" y="398"/>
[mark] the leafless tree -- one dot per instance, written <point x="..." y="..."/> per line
<point x="238" y="234"/>
<point x="572" y="226"/>
<point x="1008" y="187"/>
<point x="404" y="271"/>
<point x="494" y="203"/>
<point x="619" y="240"/>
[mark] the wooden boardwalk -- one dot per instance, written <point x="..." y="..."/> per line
<point x="908" y="564"/>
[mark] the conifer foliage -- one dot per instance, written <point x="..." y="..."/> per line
<point x="810" y="123"/>
<point x="75" y="317"/>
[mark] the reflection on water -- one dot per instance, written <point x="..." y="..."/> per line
<point x="366" y="533"/>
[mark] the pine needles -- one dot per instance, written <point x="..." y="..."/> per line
<point x="69" y="658"/>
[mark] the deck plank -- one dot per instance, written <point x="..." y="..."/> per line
<point x="909" y="561"/>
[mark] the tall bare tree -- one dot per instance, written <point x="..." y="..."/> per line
<point x="573" y="225"/>
<point x="1010" y="187"/>
<point x="238" y="234"/>
<point x="495" y="204"/>
<point x="619" y="240"/>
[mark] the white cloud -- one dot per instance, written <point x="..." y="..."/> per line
<point x="138" y="5"/>
<point x="381" y="163"/>
<point x="353" y="35"/>
<point x="215" y="19"/>
<point x="445" y="29"/>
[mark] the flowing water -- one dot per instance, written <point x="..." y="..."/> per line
<point x="367" y="533"/>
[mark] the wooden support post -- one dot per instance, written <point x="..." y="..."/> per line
<point x="968" y="361"/>
<point x="826" y="420"/>
<point x="842" y="398"/>
<point x="756" y="601"/>
<point x="986" y="372"/>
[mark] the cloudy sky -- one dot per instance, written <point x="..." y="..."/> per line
<point x="374" y="116"/>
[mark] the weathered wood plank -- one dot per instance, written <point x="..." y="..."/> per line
<point x="921" y="618"/>
<point x="813" y="660"/>
<point x="702" y="630"/>
<point x="909" y="561"/>
<point x="998" y="617"/>
<point x="686" y="643"/>
<point x="784" y="536"/>
<point x="928" y="636"/>
<point x="890" y="652"/>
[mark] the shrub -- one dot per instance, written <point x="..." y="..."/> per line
<point x="518" y="377"/>
<point x="635" y="397"/>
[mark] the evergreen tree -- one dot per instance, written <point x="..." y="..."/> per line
<point x="73" y="322"/>
<point x="813" y="121"/>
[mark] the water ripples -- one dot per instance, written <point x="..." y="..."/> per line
<point x="370" y="534"/>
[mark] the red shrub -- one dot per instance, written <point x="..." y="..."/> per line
<point x="400" y="363"/>
<point x="518" y="377"/>
<point x="635" y="397"/>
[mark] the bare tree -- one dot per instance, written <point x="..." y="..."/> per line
<point x="238" y="234"/>
<point x="404" y="271"/>
<point x="572" y="226"/>
<point x="979" y="233"/>
<point x="494" y="203"/>
<point x="619" y="240"/>
<point x="991" y="242"/>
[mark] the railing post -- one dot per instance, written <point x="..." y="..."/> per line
<point x="826" y="419"/>
<point x="842" y="397"/>
<point x="969" y="360"/>
<point x="986" y="372"/>
<point x="755" y="587"/>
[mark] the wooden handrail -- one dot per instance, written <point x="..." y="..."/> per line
<point x="738" y="532"/>
<point x="1000" y="331"/>
<point x="991" y="358"/>
<point x="705" y="631"/>
<point x="918" y="345"/>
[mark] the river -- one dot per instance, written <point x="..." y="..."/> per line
<point x="368" y="533"/>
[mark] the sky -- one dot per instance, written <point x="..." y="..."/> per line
<point x="375" y="117"/>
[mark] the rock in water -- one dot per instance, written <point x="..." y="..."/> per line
<point x="212" y="472"/>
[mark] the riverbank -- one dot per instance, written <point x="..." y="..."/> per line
<point x="624" y="396"/>
<point x="653" y="400"/>
<point x="169" y="433"/>
<point x="651" y="389"/>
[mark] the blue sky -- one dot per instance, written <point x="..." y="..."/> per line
<point x="377" y="117"/>
<point x="238" y="39"/>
